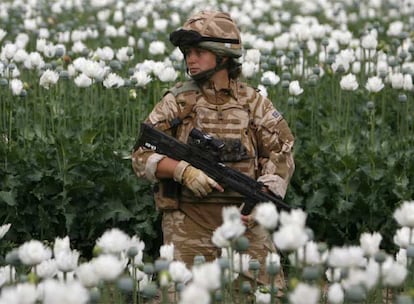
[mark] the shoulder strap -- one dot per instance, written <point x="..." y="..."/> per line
<point x="185" y="93"/>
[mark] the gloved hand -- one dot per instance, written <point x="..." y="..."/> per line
<point x="195" y="179"/>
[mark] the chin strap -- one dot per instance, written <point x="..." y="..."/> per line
<point x="206" y="75"/>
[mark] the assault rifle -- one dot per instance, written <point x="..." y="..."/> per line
<point x="197" y="156"/>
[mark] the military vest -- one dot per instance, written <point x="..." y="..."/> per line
<point x="232" y="122"/>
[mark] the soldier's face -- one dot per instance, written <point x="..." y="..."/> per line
<point x="199" y="60"/>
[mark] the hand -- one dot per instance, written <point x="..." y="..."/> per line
<point x="194" y="179"/>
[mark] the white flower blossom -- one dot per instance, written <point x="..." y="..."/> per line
<point x="34" y="252"/>
<point x="369" y="42"/>
<point x="262" y="297"/>
<point x="408" y="82"/>
<point x="404" y="214"/>
<point x="169" y="74"/>
<point x="249" y="69"/>
<point x="270" y="78"/>
<point x="113" y="241"/>
<point x="194" y="293"/>
<point x="179" y="272"/>
<point x="87" y="275"/>
<point x="393" y="273"/>
<point x="401" y="257"/>
<point x="396" y="80"/>
<point x="48" y="78"/>
<point x="290" y="237"/>
<point x="252" y="55"/>
<point x="107" y="267"/>
<point x="305" y="294"/>
<point x="24" y="293"/>
<point x="61" y="244"/>
<point x="349" y="82"/>
<point x="370" y="243"/>
<point x="336" y="294"/>
<point x="67" y="260"/>
<point x="402" y="237"/>
<point x="142" y="78"/>
<point x="113" y="80"/>
<point x="167" y="252"/>
<point x="52" y="292"/>
<point x="16" y="86"/>
<point x="47" y="269"/>
<point x="156" y="48"/>
<point x="82" y="81"/>
<point x="294" y="217"/>
<point x="106" y="53"/>
<point x="266" y="215"/>
<point x="124" y="54"/>
<point x="374" y="84"/>
<point x="294" y="88"/>
<point x="207" y="275"/>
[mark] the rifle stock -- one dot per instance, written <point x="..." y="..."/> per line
<point x="162" y="143"/>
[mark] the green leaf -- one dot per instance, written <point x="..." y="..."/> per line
<point x="316" y="201"/>
<point x="8" y="198"/>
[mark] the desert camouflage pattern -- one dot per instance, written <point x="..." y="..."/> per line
<point x="215" y="24"/>
<point x="236" y="113"/>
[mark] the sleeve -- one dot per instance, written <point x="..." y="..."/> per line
<point x="145" y="161"/>
<point x="275" y="148"/>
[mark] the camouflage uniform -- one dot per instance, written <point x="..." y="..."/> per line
<point x="259" y="141"/>
<point x="239" y="113"/>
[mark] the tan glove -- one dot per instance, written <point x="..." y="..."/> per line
<point x="194" y="179"/>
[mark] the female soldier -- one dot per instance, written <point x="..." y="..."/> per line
<point x="258" y="140"/>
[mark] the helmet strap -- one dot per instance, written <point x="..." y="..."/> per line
<point x="206" y="75"/>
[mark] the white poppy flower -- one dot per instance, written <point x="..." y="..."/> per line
<point x="83" y="81"/>
<point x="34" y="252"/>
<point x="404" y="214"/>
<point x="16" y="86"/>
<point x="370" y="242"/>
<point x="305" y="294"/>
<point x="142" y="78"/>
<point x="113" y="241"/>
<point x="290" y="237"/>
<point x="47" y="269"/>
<point x="349" y="82"/>
<point x="374" y="84"/>
<point x="193" y="293"/>
<point x="207" y="275"/>
<point x="52" y="292"/>
<point x="393" y="273"/>
<point x="167" y="252"/>
<point x="336" y="294"/>
<point x="67" y="260"/>
<point x="113" y="80"/>
<point x="107" y="267"/>
<point x="156" y="48"/>
<point x="294" y="88"/>
<point x="48" y="78"/>
<point x="266" y="215"/>
<point x="87" y="275"/>
<point x="168" y="75"/>
<point x="179" y="272"/>
<point x="402" y="237"/>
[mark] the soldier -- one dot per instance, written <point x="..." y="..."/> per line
<point x="258" y="140"/>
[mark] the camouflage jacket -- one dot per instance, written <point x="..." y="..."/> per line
<point x="238" y="114"/>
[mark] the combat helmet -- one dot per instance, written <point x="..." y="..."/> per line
<point x="215" y="31"/>
<point x="211" y="30"/>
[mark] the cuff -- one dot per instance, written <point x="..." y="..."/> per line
<point x="274" y="183"/>
<point x="179" y="171"/>
<point x="151" y="166"/>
